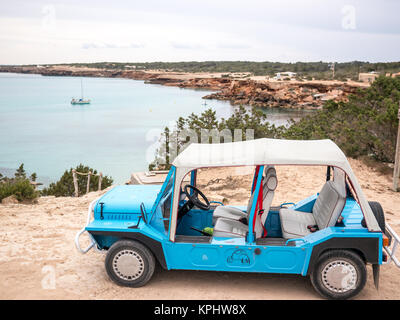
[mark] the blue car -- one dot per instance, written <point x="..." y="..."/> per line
<point x="330" y="236"/>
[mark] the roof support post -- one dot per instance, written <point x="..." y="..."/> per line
<point x="396" y="171"/>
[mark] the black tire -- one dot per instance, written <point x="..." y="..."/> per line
<point x="324" y="270"/>
<point x="129" y="263"/>
<point x="379" y="214"/>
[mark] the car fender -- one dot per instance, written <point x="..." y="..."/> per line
<point x="154" y="245"/>
<point x="366" y="247"/>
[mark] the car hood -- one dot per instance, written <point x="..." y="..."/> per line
<point x="125" y="199"/>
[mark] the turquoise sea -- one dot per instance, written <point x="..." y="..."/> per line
<point x="40" y="128"/>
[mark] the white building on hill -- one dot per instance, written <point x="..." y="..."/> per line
<point x="283" y="75"/>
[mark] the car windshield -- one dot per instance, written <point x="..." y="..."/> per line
<point x="160" y="219"/>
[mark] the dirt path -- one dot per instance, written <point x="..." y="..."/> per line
<point x="37" y="248"/>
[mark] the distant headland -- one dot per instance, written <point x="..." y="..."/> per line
<point x="304" y="86"/>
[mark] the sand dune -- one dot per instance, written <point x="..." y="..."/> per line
<point x="38" y="259"/>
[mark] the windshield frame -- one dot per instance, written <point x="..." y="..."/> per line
<point x="170" y="177"/>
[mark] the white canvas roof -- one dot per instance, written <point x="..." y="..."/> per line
<point x="261" y="151"/>
<point x="267" y="152"/>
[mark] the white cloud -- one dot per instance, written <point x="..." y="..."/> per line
<point x="92" y="45"/>
<point x="175" y="30"/>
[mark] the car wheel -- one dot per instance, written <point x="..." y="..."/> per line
<point x="339" y="274"/>
<point x="129" y="263"/>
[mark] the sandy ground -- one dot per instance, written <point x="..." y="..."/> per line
<point x="38" y="259"/>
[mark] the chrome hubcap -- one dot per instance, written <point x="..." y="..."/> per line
<point x="339" y="276"/>
<point x="128" y="265"/>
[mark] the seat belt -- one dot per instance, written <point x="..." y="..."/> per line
<point x="260" y="213"/>
<point x="313" y="228"/>
<point x="255" y="179"/>
<point x="259" y="209"/>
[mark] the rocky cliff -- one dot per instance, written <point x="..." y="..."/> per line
<point x="287" y="94"/>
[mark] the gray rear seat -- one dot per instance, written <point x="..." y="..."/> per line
<point x="326" y="210"/>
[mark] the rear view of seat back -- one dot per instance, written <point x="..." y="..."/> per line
<point x="269" y="186"/>
<point x="331" y="201"/>
<point x="263" y="189"/>
<point x="270" y="182"/>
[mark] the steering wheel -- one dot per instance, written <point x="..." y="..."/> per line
<point x="194" y="197"/>
<point x="193" y="200"/>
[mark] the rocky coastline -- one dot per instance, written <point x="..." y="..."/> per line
<point x="289" y="94"/>
<point x="239" y="91"/>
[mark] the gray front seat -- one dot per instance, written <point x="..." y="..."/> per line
<point x="233" y="213"/>
<point x="325" y="213"/>
<point x="231" y="228"/>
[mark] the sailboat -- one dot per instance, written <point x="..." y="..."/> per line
<point x="81" y="100"/>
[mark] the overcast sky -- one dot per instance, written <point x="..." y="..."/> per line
<point x="35" y="32"/>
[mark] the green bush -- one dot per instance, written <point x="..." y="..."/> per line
<point x="18" y="186"/>
<point x="22" y="189"/>
<point x="365" y="125"/>
<point x="65" y="186"/>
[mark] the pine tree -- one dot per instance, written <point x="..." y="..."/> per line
<point x="20" y="172"/>
<point x="33" y="177"/>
